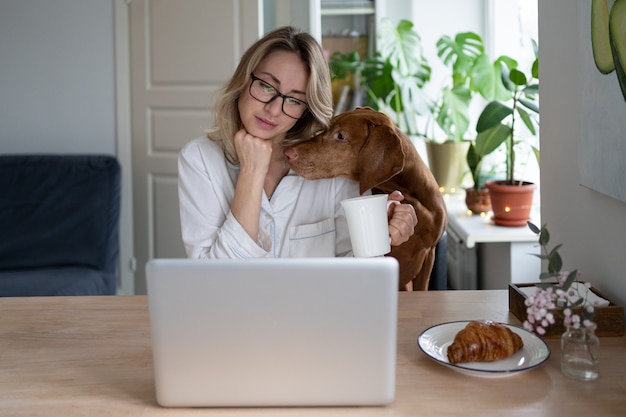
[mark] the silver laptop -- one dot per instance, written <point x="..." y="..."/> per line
<point x="273" y="332"/>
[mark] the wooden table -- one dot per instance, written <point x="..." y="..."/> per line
<point x="91" y="356"/>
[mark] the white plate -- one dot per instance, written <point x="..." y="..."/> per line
<point x="435" y="340"/>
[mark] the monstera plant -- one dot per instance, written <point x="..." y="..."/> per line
<point x="393" y="79"/>
<point x="472" y="74"/>
<point x="395" y="76"/>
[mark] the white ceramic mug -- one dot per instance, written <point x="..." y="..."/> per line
<point x="368" y="224"/>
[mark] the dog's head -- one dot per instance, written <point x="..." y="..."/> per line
<point x="363" y="145"/>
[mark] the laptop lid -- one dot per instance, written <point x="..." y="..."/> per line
<point x="273" y="332"/>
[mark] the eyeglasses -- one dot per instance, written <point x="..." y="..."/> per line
<point x="266" y="93"/>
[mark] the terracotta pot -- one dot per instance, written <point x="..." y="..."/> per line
<point x="511" y="203"/>
<point x="478" y="201"/>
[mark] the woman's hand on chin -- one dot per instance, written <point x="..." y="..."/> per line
<point x="254" y="153"/>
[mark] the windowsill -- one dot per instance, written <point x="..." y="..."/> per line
<point x="473" y="228"/>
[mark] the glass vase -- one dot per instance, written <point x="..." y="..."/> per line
<point x="580" y="348"/>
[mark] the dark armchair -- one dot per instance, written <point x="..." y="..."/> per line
<point x="59" y="224"/>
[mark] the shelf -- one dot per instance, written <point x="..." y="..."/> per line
<point x="348" y="11"/>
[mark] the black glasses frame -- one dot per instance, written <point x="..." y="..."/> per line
<point x="277" y="94"/>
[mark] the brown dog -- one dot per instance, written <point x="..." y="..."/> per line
<point x="366" y="146"/>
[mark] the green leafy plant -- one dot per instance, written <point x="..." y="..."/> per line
<point x="394" y="78"/>
<point x="343" y="65"/>
<point x="472" y="73"/>
<point x="475" y="157"/>
<point x="396" y="75"/>
<point x="498" y="122"/>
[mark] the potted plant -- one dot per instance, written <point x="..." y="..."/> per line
<point x="471" y="73"/>
<point x="477" y="197"/>
<point x="392" y="80"/>
<point x="511" y="198"/>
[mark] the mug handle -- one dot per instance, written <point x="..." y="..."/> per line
<point x="389" y="203"/>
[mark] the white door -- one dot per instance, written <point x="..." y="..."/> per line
<point x="181" y="53"/>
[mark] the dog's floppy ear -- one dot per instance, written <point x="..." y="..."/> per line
<point x="381" y="157"/>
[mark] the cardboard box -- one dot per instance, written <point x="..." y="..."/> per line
<point x="610" y="319"/>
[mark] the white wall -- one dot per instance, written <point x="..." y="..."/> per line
<point x="57" y="91"/>
<point x="591" y="225"/>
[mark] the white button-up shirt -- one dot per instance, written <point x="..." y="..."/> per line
<point x="304" y="218"/>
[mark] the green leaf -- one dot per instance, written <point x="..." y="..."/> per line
<point x="473" y="162"/>
<point x="556" y="248"/>
<point x="460" y="53"/>
<point x="342" y="65"/>
<point x="472" y="157"/>
<point x="517" y="77"/>
<point x="492" y="115"/>
<point x="503" y="85"/>
<point x="447" y="50"/>
<point x="488" y="140"/>
<point x="505" y="71"/>
<point x="484" y="78"/>
<point x="533" y="227"/>
<point x="453" y="115"/>
<point x="570" y="279"/>
<point x="400" y="45"/>
<point x="413" y="97"/>
<point x="395" y="76"/>
<point x="555" y="262"/>
<point x="537" y="154"/>
<point x="531" y="90"/>
<point x="464" y="55"/>
<point x="527" y="120"/>
<point x="530" y="105"/>
<point x="544" y="236"/>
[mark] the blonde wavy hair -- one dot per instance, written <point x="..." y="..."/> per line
<point x="318" y="91"/>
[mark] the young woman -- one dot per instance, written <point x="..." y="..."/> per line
<point x="238" y="198"/>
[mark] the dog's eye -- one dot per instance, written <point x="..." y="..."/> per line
<point x="340" y="136"/>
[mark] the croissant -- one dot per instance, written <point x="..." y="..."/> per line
<point x="483" y="341"/>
